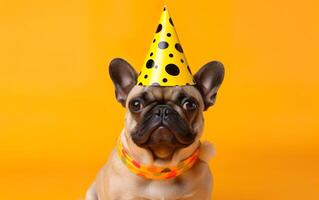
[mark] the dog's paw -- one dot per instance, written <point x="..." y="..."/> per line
<point x="206" y="151"/>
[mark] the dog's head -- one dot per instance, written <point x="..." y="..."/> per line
<point x="165" y="119"/>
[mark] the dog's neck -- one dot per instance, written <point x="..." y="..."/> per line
<point x="155" y="170"/>
<point x="145" y="156"/>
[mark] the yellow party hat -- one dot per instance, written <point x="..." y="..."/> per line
<point x="165" y="63"/>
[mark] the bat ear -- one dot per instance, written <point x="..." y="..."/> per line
<point x="208" y="80"/>
<point x="124" y="78"/>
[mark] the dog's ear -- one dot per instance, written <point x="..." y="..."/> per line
<point x="208" y="79"/>
<point x="124" y="78"/>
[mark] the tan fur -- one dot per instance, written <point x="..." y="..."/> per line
<point x="116" y="182"/>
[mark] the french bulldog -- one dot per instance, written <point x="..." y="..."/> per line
<point x="163" y="126"/>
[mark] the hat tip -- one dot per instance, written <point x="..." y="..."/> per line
<point x="165" y="8"/>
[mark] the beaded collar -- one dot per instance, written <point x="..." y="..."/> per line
<point x="155" y="172"/>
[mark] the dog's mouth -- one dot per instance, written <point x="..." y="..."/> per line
<point x="163" y="136"/>
<point x="162" y="143"/>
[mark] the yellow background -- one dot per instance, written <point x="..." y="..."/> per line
<point x="59" y="118"/>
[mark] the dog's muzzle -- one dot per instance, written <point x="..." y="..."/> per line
<point x="162" y="125"/>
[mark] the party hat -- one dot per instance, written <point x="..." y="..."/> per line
<point x="165" y="63"/>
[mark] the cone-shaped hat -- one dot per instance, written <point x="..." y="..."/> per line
<point x="165" y="63"/>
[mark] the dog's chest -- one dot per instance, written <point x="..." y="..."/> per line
<point x="163" y="190"/>
<point x="171" y="189"/>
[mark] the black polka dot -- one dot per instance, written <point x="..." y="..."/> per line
<point x="171" y="55"/>
<point x="171" y="21"/>
<point x="178" y="47"/>
<point x="140" y="83"/>
<point x="154" y="40"/>
<point x="168" y="35"/>
<point x="172" y="69"/>
<point x="159" y="28"/>
<point x="182" y="61"/>
<point x="155" y="84"/>
<point x="164" y="8"/>
<point x="151" y="54"/>
<point x="164" y="80"/>
<point x="187" y="83"/>
<point x="150" y="63"/>
<point x="163" y="45"/>
<point x="145" y="76"/>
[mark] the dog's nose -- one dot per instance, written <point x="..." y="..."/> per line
<point x="163" y="111"/>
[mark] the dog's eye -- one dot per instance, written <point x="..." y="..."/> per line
<point x="136" y="105"/>
<point x="189" y="105"/>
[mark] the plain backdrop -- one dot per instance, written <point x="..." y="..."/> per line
<point x="59" y="118"/>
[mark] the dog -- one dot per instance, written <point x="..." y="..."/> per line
<point x="163" y="126"/>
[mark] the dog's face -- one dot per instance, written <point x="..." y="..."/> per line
<point x="165" y="119"/>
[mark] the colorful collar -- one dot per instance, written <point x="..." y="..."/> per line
<point x="155" y="172"/>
